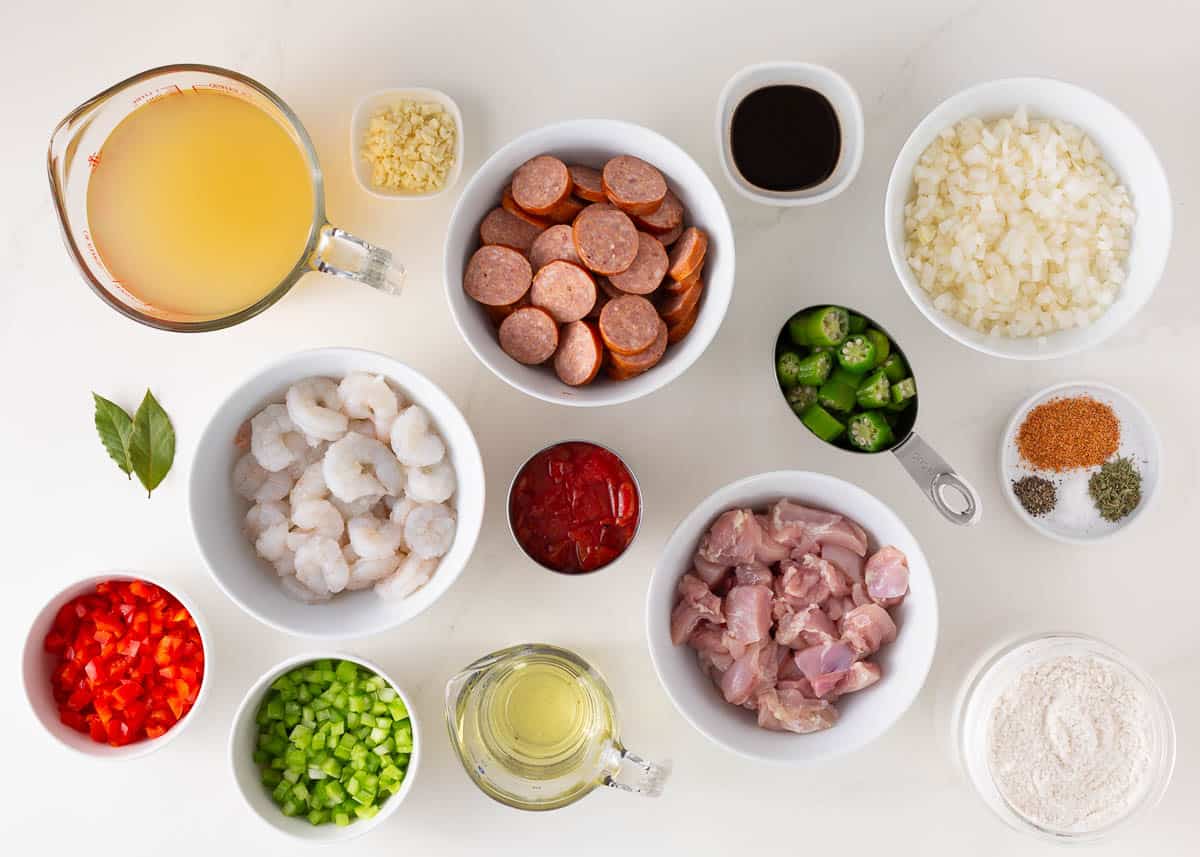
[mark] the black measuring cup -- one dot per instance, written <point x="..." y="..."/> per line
<point x="950" y="493"/>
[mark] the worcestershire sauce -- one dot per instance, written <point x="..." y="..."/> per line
<point x="785" y="138"/>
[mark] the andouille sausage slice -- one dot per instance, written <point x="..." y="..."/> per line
<point x="566" y="211"/>
<point x="633" y="185"/>
<point x="509" y="204"/>
<point x="605" y="238"/>
<point x="635" y="364"/>
<point x="665" y="218"/>
<point x="648" y="268"/>
<point x="541" y="183"/>
<point x="674" y="308"/>
<point x="628" y="324"/>
<point x="564" y="290"/>
<point x="669" y="238"/>
<point x="674" y="287"/>
<point x="587" y="183"/>
<point x="580" y="353"/>
<point x="688" y="253"/>
<point x="529" y="335"/>
<point x="503" y="227"/>
<point x="680" y="329"/>
<point x="555" y="243"/>
<point x="497" y="275"/>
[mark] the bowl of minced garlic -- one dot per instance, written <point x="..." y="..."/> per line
<point x="407" y="143"/>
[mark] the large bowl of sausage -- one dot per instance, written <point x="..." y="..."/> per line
<point x="589" y="262"/>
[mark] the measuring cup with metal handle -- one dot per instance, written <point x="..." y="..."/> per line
<point x="74" y="151"/>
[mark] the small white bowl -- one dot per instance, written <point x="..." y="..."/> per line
<point x="243" y="739"/>
<point x="366" y="108"/>
<point x="1139" y="441"/>
<point x="37" y="664"/>
<point x="824" y="80"/>
<point x="865" y="715"/>
<point x="590" y="142"/>
<point x="1127" y="151"/>
<point x="217" y="511"/>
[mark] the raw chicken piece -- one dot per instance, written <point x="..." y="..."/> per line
<point x="792" y="523"/>
<point x="768" y="550"/>
<point x="801" y="585"/>
<point x="801" y="684"/>
<point x="861" y="674"/>
<point x="714" y="665"/>
<point x="887" y="576"/>
<point x="789" y="670"/>
<point x="696" y="602"/>
<point x="754" y="671"/>
<point x="710" y="572"/>
<point x="747" y="612"/>
<point x="858" y="595"/>
<point x="825" y="665"/>
<point x="847" y="561"/>
<point x="754" y="573"/>
<point x="790" y="711"/>
<point x="806" y="627"/>
<point x="732" y="539"/>
<point x="831" y="575"/>
<point x="865" y="629"/>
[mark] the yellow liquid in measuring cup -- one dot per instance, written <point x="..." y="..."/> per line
<point x="200" y="204"/>
<point x="538" y="711"/>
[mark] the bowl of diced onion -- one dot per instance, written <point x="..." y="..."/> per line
<point x="1028" y="218"/>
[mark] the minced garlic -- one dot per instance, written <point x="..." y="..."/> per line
<point x="409" y="146"/>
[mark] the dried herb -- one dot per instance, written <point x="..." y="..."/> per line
<point x="1116" y="489"/>
<point x="1036" y="495"/>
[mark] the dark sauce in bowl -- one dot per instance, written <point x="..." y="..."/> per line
<point x="785" y="138"/>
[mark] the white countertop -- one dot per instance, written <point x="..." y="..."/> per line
<point x="67" y="512"/>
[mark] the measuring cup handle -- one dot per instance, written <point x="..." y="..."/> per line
<point x="631" y="773"/>
<point x="936" y="477"/>
<point x="375" y="265"/>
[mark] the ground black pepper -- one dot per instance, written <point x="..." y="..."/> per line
<point x="1036" y="495"/>
<point x="1116" y="489"/>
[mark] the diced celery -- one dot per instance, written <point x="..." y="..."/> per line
<point x="346" y="671"/>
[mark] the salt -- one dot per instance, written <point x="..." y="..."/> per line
<point x="1075" y="509"/>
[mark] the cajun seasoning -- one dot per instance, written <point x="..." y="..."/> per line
<point x="1068" y="433"/>
<point x="1036" y="495"/>
<point x="1116" y="489"/>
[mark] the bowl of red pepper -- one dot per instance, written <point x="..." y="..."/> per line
<point x="115" y="664"/>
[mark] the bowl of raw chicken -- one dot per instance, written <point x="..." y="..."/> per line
<point x="336" y="493"/>
<point x="792" y="617"/>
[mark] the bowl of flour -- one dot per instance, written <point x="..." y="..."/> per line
<point x="1064" y="737"/>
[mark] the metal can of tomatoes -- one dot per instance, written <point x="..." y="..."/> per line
<point x="574" y="507"/>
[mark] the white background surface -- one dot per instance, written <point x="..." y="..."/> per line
<point x="67" y="512"/>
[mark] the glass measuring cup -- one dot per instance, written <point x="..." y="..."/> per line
<point x="74" y="152"/>
<point x="535" y="727"/>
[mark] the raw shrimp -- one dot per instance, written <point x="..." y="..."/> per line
<point x="285" y="566"/>
<point x="310" y="485"/>
<point x="366" y="396"/>
<point x="306" y="453"/>
<point x="413" y="573"/>
<point x="432" y="484"/>
<point x="429" y="530"/>
<point x="412" y="441"/>
<point x="295" y="589"/>
<point x="374" y="538"/>
<point x="319" y="517"/>
<point x="268" y="429"/>
<point x="263" y="515"/>
<point x="314" y="406"/>
<point x="321" y="567"/>
<point x="356" y="466"/>
<point x="355" y="508"/>
<point x="366" y="572"/>
<point x="365" y="427"/>
<point x="272" y="543"/>
<point x="399" y="514"/>
<point x="253" y="483"/>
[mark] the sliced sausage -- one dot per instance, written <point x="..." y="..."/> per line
<point x="635" y="364"/>
<point x="503" y="227"/>
<point x="669" y="238"/>
<point x="564" y="290"/>
<point x="628" y="324"/>
<point x="680" y="329"/>
<point x="580" y="353"/>
<point x="648" y="268"/>
<point x="587" y="183"/>
<point x="605" y="239"/>
<point x="509" y="204"/>
<point x="529" y="335"/>
<point x="498" y="313"/>
<point x="674" y="308"/>
<point x="566" y="211"/>
<point x="688" y="253"/>
<point x="608" y="288"/>
<point x="540" y="184"/>
<point x="555" y="243"/>
<point x="666" y="218"/>
<point x="497" y="275"/>
<point x="674" y="287"/>
<point x="633" y="185"/>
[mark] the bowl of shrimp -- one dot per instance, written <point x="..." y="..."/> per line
<point x="336" y="493"/>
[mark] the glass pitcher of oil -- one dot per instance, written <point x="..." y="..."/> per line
<point x="535" y="727"/>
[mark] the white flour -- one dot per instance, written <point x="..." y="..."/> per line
<point x="1069" y="743"/>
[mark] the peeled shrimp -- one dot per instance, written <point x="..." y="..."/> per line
<point x="356" y="466"/>
<point x="429" y="530"/>
<point x="365" y="427"/>
<point x="285" y="566"/>
<point x="306" y="452"/>
<point x="355" y="508"/>
<point x="366" y="396"/>
<point x="412" y="441"/>
<point x="374" y="538"/>
<point x="430" y="484"/>
<point x="366" y="572"/>
<point x="253" y="483"/>
<point x="263" y="515"/>
<point x="399" y="514"/>
<point x="413" y="573"/>
<point x="272" y="543"/>
<point x="319" y="517"/>
<point x="314" y="406"/>
<point x="268" y="430"/>
<point x="295" y="589"/>
<point x="321" y="567"/>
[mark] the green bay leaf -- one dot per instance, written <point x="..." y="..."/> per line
<point x="152" y="445"/>
<point x="115" y="428"/>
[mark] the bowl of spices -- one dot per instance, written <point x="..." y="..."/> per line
<point x="1064" y="737"/>
<point x="789" y="133"/>
<point x="406" y="143"/>
<point x="1080" y="461"/>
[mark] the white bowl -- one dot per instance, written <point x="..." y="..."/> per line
<point x="243" y="738"/>
<point x="217" y="511"/>
<point x="37" y="663"/>
<point x="1139" y="441"/>
<point x="591" y="142"/>
<point x="1127" y="151"/>
<point x="824" y="80"/>
<point x="366" y="108"/>
<point x="865" y="715"/>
